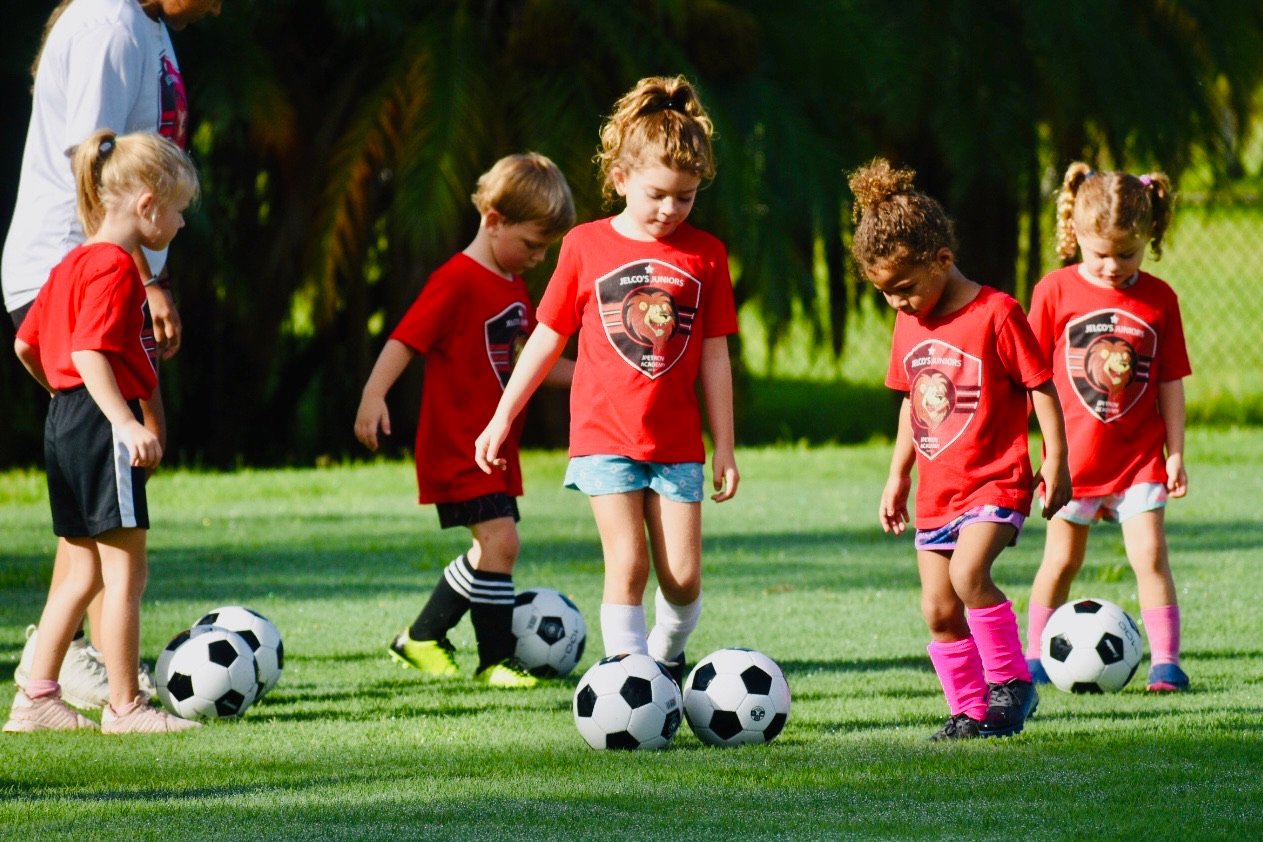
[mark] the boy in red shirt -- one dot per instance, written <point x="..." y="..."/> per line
<point x="470" y="320"/>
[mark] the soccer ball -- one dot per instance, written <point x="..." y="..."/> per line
<point x="627" y="702"/>
<point x="209" y="675"/>
<point x="550" y="632"/>
<point x="259" y="632"/>
<point x="736" y="696"/>
<point x="1090" y="646"/>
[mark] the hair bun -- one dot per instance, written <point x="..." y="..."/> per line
<point x="877" y="182"/>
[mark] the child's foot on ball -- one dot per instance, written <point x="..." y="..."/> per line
<point x="962" y="726"/>
<point x="508" y="675"/>
<point x="1167" y="678"/>
<point x="1039" y="675"/>
<point x="436" y="657"/>
<point x="1010" y="705"/>
<point x="47" y="714"/>
<point x="677" y="669"/>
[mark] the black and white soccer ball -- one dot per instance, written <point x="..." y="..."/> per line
<point x="736" y="696"/>
<point x="550" y="632"/>
<point x="1090" y="646"/>
<point x="627" y="702"/>
<point x="259" y="632"/>
<point x="209" y="675"/>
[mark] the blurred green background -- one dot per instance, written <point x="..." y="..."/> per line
<point x="339" y="140"/>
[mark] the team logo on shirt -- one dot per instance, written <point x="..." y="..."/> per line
<point x="506" y="334"/>
<point x="946" y="384"/>
<point x="647" y="310"/>
<point x="173" y="122"/>
<point x="1108" y="356"/>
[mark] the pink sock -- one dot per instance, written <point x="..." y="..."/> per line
<point x="42" y="688"/>
<point x="1162" y="626"/>
<point x="1036" y="618"/>
<point x="999" y="646"/>
<point x="960" y="672"/>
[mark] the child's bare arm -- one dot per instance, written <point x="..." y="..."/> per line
<point x="98" y="377"/>
<point x="29" y="356"/>
<point x="1055" y="470"/>
<point x="892" y="512"/>
<point x="717" y="392"/>
<point x="1171" y="406"/>
<point x="372" y="414"/>
<point x="537" y="358"/>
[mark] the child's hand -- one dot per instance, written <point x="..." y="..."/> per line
<point x="1177" y="477"/>
<point x="1055" y="476"/>
<point x="487" y="447"/>
<point x="727" y="477"/>
<point x="893" y="512"/>
<point x="369" y="418"/>
<point x="142" y="444"/>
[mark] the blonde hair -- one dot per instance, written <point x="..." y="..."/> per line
<point x="1113" y="203"/>
<point x="894" y="220"/>
<point x="527" y="188"/>
<point x="659" y="121"/>
<point x="110" y="167"/>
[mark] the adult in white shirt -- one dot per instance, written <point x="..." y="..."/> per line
<point x="103" y="64"/>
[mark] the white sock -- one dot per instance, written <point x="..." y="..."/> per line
<point x="672" y="626"/>
<point x="623" y="629"/>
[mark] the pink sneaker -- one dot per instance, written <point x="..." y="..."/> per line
<point x="143" y="718"/>
<point x="47" y="714"/>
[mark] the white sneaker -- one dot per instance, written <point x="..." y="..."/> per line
<point x="47" y="714"/>
<point x="82" y="677"/>
<point x="143" y="679"/>
<point x="143" y="718"/>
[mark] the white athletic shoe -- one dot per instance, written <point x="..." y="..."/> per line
<point x="82" y="677"/>
<point x="144" y="719"/>
<point x="47" y="714"/>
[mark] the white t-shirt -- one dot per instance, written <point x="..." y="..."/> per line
<point x="106" y="65"/>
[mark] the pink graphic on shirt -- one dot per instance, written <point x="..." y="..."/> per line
<point x="946" y="384"/>
<point x="1108" y="356"/>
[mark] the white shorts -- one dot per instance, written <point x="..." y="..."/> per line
<point x="1140" y="498"/>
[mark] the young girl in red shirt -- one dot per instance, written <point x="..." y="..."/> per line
<point x="84" y="341"/>
<point x="1116" y="341"/>
<point x="651" y="299"/>
<point x="966" y="361"/>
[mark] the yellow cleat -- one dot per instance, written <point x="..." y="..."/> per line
<point x="507" y="675"/>
<point x="434" y="657"/>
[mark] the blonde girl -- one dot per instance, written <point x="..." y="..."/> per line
<point x="1116" y="341"/>
<point x="651" y="299"/>
<point x="966" y="362"/>
<point x="84" y="341"/>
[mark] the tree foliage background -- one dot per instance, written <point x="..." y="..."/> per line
<point x="339" y="140"/>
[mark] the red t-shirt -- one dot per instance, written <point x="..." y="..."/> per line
<point x="469" y="323"/>
<point x="642" y="309"/>
<point x="967" y="375"/>
<point x="1110" y="348"/>
<point x="94" y="301"/>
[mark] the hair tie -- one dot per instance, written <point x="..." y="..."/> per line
<point x="1146" y="180"/>
<point x="106" y="147"/>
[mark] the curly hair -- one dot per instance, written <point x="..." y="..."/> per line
<point x="659" y="121"/>
<point x="893" y="219"/>
<point x="1112" y="203"/>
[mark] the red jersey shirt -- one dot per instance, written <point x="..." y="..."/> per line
<point x="469" y="323"/>
<point x="1110" y="349"/>
<point x="642" y="309"/>
<point x="967" y="375"/>
<point x="94" y="301"/>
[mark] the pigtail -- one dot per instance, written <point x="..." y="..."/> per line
<point x="1067" y="242"/>
<point x="893" y="220"/>
<point x="659" y="121"/>
<point x="88" y="162"/>
<point x="1162" y="200"/>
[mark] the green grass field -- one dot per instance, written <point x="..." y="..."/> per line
<point x="349" y="746"/>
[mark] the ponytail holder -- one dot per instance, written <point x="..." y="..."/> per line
<point x="106" y="147"/>
<point x="1146" y="180"/>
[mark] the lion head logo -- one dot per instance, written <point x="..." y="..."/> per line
<point x="1110" y="363"/>
<point x="931" y="399"/>
<point x="649" y="317"/>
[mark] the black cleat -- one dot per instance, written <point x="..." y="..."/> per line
<point x="1012" y="703"/>
<point x="962" y="726"/>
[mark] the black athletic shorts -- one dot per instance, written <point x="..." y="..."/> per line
<point x="92" y="486"/>
<point x="19" y="315"/>
<point x="478" y="510"/>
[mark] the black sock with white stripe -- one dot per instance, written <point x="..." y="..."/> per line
<point x="491" y="610"/>
<point x="447" y="604"/>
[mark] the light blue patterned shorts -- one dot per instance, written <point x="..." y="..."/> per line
<point x="1141" y="497"/>
<point x="680" y="482"/>
<point x="946" y="536"/>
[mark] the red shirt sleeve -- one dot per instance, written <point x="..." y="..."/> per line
<point x="429" y="318"/>
<point x="98" y="326"/>
<point x="1172" y="351"/>
<point x="1024" y="360"/>
<point x="560" y="308"/>
<point x="720" y="311"/>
